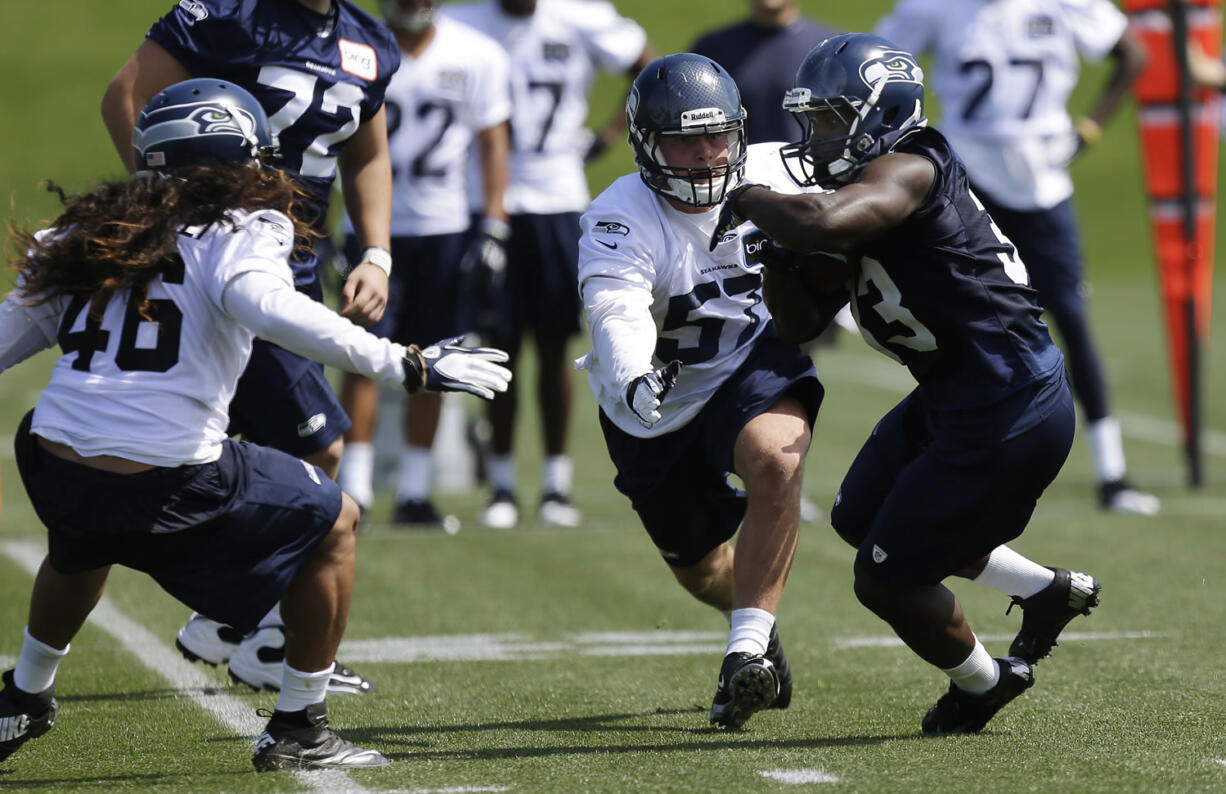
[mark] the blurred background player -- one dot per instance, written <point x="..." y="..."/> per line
<point x="1004" y="72"/>
<point x="692" y="381"/>
<point x="451" y="91"/>
<point x="155" y="288"/>
<point x="555" y="49"/>
<point x="762" y="53"/>
<point x="319" y="69"/>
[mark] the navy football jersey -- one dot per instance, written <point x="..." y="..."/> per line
<point x="318" y="76"/>
<point x="946" y="294"/>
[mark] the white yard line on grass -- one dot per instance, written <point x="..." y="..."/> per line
<point x="797" y="776"/>
<point x="153" y="653"/>
<point x="890" y="641"/>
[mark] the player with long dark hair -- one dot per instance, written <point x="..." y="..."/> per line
<point x="155" y="289"/>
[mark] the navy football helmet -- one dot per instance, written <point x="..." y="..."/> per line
<point x="850" y="92"/>
<point x="198" y="121"/>
<point x="680" y="95"/>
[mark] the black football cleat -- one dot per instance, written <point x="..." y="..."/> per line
<point x="959" y="711"/>
<point x="1047" y="612"/>
<point x="748" y="683"/>
<point x="24" y="716"/>
<point x="774" y="654"/>
<point x="302" y="740"/>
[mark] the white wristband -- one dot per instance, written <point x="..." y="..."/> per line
<point x="379" y="257"/>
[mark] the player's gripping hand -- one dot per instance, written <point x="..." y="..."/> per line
<point x="364" y="296"/>
<point x="729" y="218"/>
<point x="646" y="392"/>
<point x="448" y="365"/>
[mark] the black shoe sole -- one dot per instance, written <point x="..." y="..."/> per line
<point x="753" y="689"/>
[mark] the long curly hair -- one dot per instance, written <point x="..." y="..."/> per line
<point x="123" y="234"/>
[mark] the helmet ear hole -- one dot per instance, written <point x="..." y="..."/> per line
<point x="889" y="116"/>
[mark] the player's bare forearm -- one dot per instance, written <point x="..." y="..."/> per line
<point x="892" y="187"/>
<point x="150" y="69"/>
<point x="366" y="182"/>
<point x="1129" y="55"/>
<point x="493" y="148"/>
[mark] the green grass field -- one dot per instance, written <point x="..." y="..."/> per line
<point x="567" y="660"/>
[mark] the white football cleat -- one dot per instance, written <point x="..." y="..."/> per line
<point x="557" y="510"/>
<point x="502" y="512"/>
<point x="204" y="640"/>
<point x="259" y="658"/>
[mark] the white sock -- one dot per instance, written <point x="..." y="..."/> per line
<point x="416" y="472"/>
<point x="1014" y="575"/>
<point x="299" y="689"/>
<point x="977" y="674"/>
<point x="751" y="631"/>
<point x="502" y="473"/>
<point x="556" y="474"/>
<point x="357" y="475"/>
<point x="37" y="664"/>
<point x="273" y="618"/>
<point x="1107" y="449"/>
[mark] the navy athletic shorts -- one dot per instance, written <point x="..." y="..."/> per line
<point x="284" y="401"/>
<point x="424" y="302"/>
<point x="225" y="538"/>
<point x="542" y="290"/>
<point x="922" y="503"/>
<point x="678" y="482"/>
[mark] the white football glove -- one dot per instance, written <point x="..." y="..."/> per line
<point x="447" y="365"/>
<point x="646" y="392"/>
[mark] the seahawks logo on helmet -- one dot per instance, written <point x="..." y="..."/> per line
<point x="213" y="119"/>
<point x="894" y="66"/>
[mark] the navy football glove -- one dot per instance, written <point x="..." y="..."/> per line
<point x="447" y="365"/>
<point x="485" y="259"/>
<point x="729" y="219"/>
<point x="646" y="392"/>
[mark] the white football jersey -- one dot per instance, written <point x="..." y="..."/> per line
<point x="159" y="392"/>
<point x="653" y="292"/>
<point x="554" y="56"/>
<point x="1004" y="70"/>
<point x="436" y="104"/>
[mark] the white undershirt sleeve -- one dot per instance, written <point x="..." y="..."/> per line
<point x="275" y="311"/>
<point x="623" y="330"/>
<point x="26" y="330"/>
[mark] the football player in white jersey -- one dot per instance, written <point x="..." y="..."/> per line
<point x="1004" y="72"/>
<point x="155" y="289"/>
<point x="555" y="48"/>
<point x="319" y="69"/>
<point x="692" y="381"/>
<point x="451" y="92"/>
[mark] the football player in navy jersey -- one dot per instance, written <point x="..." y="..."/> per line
<point x="319" y="68"/>
<point x="954" y="470"/>
<point x="154" y="289"/>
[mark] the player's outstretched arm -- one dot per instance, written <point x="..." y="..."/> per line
<point x="26" y="329"/>
<point x="272" y="309"/>
<point x="842" y="221"/>
<point x="150" y="69"/>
